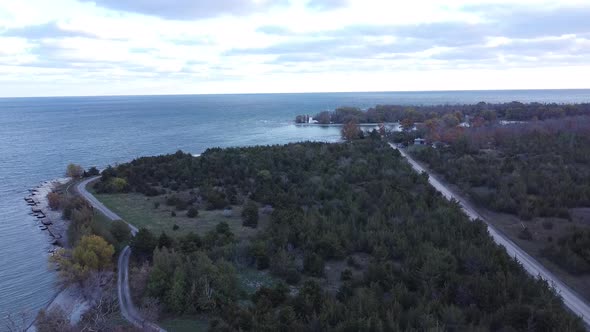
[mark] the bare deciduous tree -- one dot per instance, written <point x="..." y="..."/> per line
<point x="150" y="309"/>
<point x="54" y="200"/>
<point x="104" y="306"/>
<point x="53" y="320"/>
<point x="96" y="283"/>
<point x="138" y="280"/>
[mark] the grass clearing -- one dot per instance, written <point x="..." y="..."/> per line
<point x="138" y="210"/>
<point x="185" y="324"/>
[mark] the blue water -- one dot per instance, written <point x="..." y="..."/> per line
<point x="40" y="136"/>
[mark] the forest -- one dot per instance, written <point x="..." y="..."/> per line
<point x="404" y="257"/>
<point x="513" y="111"/>
<point x="537" y="169"/>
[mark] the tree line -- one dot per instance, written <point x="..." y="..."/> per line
<point x="513" y="111"/>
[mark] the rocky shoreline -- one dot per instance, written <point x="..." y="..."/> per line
<point x="70" y="299"/>
<point x="49" y="220"/>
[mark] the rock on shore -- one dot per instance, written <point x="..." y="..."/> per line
<point x="70" y="299"/>
<point x="49" y="220"/>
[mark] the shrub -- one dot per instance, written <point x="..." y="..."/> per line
<point x="215" y="200"/>
<point x="119" y="185"/>
<point x="525" y="214"/>
<point x="54" y="319"/>
<point x="293" y="276"/>
<point x="171" y="201"/>
<point x="564" y="213"/>
<point x="192" y="212"/>
<point x="313" y="265"/>
<point x="144" y="242"/>
<point x="175" y="227"/>
<point x="120" y="231"/>
<point x="165" y="241"/>
<point x="92" y="171"/>
<point x="262" y="262"/>
<point x="352" y="262"/>
<point x="525" y="234"/>
<point x="346" y="275"/>
<point x="149" y="191"/>
<point x="74" y="171"/>
<point x="181" y="205"/>
<point x="250" y="215"/>
<point x="54" y="200"/>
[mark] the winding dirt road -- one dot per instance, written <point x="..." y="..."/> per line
<point x="81" y="188"/>
<point x="570" y="298"/>
<point x="128" y="310"/>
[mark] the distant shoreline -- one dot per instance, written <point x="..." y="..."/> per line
<point x="478" y="113"/>
<point x="367" y="124"/>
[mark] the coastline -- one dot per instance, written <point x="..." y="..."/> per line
<point x="49" y="220"/>
<point x="365" y="124"/>
<point x="69" y="299"/>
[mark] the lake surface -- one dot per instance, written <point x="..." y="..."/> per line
<point x="40" y="136"/>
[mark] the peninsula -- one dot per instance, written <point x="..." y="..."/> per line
<point x="283" y="236"/>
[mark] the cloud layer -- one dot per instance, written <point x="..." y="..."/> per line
<point x="235" y="42"/>
<point x="190" y="9"/>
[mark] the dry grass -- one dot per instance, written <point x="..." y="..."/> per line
<point x="512" y="225"/>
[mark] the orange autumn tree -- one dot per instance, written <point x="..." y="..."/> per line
<point x="350" y="131"/>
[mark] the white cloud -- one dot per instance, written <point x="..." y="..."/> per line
<point x="153" y="46"/>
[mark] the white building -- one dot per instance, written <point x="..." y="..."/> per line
<point x="419" y="141"/>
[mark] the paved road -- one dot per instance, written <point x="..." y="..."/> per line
<point x="571" y="299"/>
<point x="128" y="310"/>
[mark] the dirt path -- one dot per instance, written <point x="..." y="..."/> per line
<point x="570" y="298"/>
<point x="128" y="310"/>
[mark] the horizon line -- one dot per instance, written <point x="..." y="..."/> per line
<point x="288" y="93"/>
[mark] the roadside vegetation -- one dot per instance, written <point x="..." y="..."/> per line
<point x="533" y="177"/>
<point x="356" y="241"/>
<point x="87" y="264"/>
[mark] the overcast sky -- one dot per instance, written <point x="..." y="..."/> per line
<point x="112" y="47"/>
